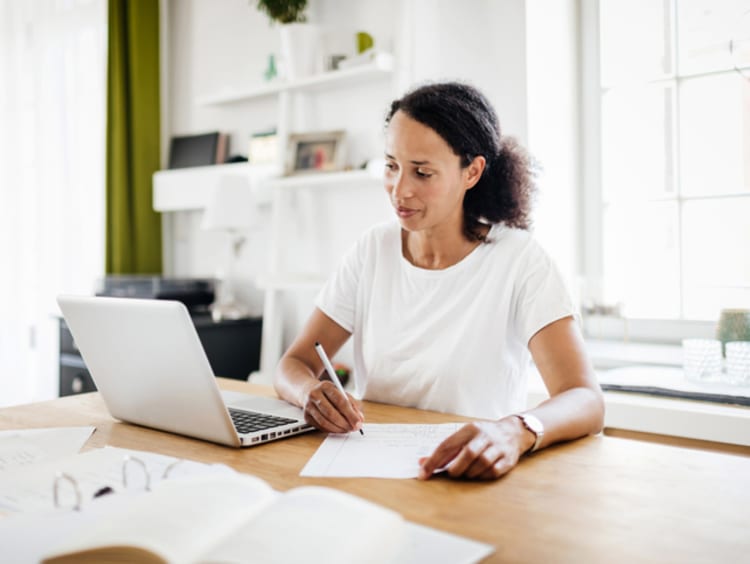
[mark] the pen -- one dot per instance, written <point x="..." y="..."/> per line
<point x="331" y="372"/>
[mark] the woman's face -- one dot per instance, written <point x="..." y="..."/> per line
<point x="424" y="177"/>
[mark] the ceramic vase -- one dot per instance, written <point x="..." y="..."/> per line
<point x="299" y="49"/>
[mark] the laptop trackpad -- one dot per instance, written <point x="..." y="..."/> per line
<point x="262" y="404"/>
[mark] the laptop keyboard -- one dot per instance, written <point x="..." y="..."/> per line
<point x="249" y="421"/>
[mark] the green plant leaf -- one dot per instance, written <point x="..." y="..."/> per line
<point x="284" y="11"/>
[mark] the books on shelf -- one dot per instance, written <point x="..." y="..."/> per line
<point x="198" y="150"/>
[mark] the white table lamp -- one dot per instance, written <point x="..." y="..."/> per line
<point x="233" y="209"/>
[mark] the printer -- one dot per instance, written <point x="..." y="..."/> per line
<point x="196" y="293"/>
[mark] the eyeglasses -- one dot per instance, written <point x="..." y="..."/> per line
<point x="127" y="462"/>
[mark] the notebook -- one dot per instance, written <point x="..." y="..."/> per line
<point x="148" y="363"/>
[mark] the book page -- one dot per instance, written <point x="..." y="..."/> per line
<point x="315" y="525"/>
<point x="384" y="451"/>
<point x="426" y="544"/>
<point x="180" y="519"/>
<point x="22" y="447"/>
<point x="28" y="537"/>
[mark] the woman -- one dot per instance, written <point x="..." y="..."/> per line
<point x="447" y="304"/>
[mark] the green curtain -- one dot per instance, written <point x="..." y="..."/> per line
<point x="133" y="137"/>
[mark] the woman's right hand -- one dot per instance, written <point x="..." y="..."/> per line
<point x="326" y="408"/>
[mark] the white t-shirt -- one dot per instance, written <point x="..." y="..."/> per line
<point x="452" y="340"/>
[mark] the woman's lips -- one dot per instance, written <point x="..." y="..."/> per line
<point x="405" y="212"/>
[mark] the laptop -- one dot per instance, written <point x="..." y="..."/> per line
<point x="148" y="363"/>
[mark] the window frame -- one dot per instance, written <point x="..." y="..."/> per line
<point x="611" y="326"/>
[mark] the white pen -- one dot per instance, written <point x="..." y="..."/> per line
<point x="331" y="372"/>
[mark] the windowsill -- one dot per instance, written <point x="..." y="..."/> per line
<point x="613" y="354"/>
<point x="672" y="417"/>
<point x="632" y="331"/>
<point x="686" y="418"/>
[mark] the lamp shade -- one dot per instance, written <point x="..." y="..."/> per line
<point x="232" y="205"/>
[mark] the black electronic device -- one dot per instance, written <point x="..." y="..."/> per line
<point x="196" y="293"/>
<point x="198" y="150"/>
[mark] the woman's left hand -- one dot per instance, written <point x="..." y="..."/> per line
<point x="480" y="450"/>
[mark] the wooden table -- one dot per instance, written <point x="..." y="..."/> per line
<point x="600" y="499"/>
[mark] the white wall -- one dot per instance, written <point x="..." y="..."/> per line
<point x="213" y="46"/>
<point x="223" y="44"/>
<point x="478" y="41"/>
<point x="553" y="127"/>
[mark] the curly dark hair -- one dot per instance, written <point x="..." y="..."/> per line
<point x="465" y="119"/>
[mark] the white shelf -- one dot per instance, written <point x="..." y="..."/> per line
<point x="278" y="192"/>
<point x="191" y="188"/>
<point x="380" y="67"/>
<point x="361" y="177"/>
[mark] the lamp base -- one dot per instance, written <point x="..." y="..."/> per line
<point x="228" y="310"/>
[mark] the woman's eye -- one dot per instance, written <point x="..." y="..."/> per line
<point x="423" y="174"/>
<point x="390" y="166"/>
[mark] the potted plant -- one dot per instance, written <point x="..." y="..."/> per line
<point x="284" y="11"/>
<point x="299" y="39"/>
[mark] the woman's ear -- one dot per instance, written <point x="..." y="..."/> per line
<point x="474" y="171"/>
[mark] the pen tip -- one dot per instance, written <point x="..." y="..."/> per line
<point x="317" y="344"/>
<point x="361" y="432"/>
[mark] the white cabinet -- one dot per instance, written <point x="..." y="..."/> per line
<point x="185" y="189"/>
<point x="298" y="105"/>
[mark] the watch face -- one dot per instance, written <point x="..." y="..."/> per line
<point x="537" y="425"/>
<point x="533" y="424"/>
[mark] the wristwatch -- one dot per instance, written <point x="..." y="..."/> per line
<point x="533" y="424"/>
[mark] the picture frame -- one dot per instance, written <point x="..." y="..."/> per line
<point x="315" y="152"/>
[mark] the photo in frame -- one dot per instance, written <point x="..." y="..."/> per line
<point x="315" y="152"/>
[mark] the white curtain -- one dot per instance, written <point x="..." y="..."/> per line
<point x="52" y="167"/>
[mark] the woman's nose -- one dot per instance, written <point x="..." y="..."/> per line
<point x="400" y="189"/>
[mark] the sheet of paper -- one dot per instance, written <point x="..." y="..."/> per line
<point x="33" y="489"/>
<point x="21" y="447"/>
<point x="426" y="544"/>
<point x="384" y="451"/>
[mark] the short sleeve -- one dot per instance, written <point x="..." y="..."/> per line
<point x="542" y="295"/>
<point x="338" y="297"/>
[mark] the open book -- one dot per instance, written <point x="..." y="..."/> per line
<point x="239" y="518"/>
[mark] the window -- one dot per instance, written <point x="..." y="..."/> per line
<point x="52" y="111"/>
<point x="668" y="102"/>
